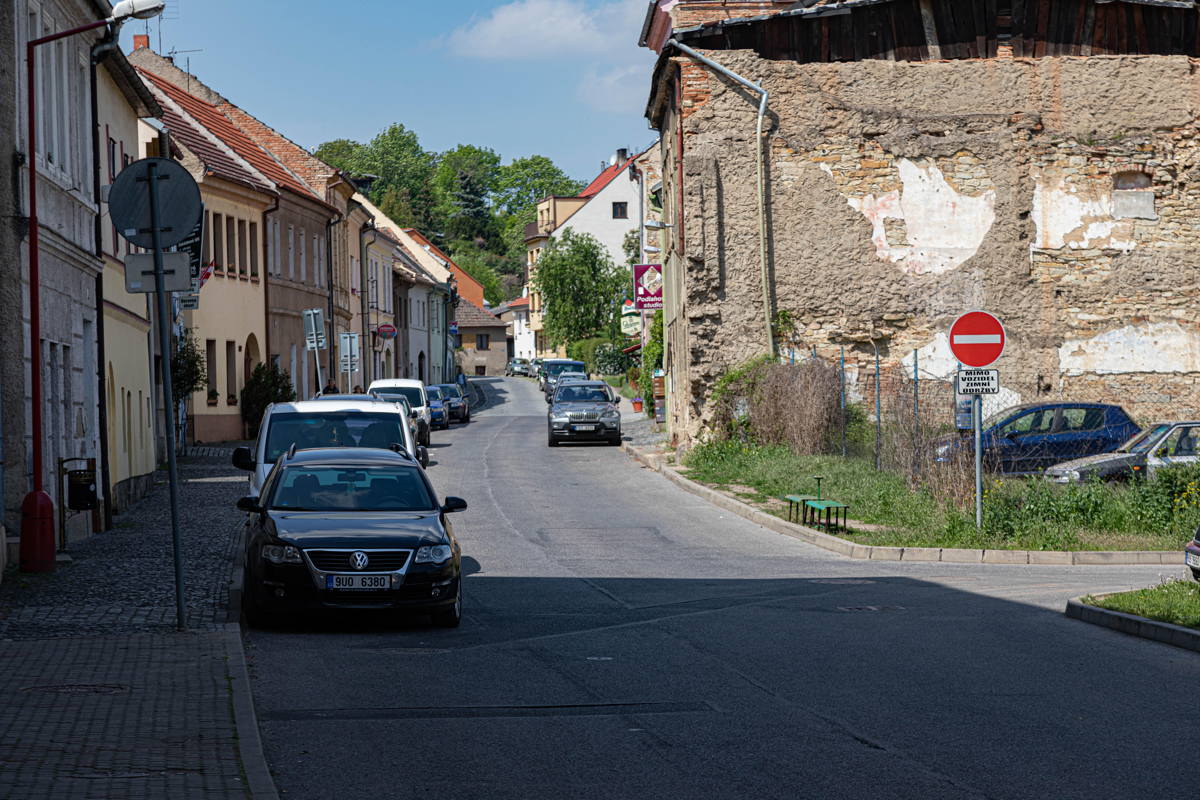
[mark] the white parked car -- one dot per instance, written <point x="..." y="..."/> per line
<point x="322" y="423"/>
<point x="414" y="392"/>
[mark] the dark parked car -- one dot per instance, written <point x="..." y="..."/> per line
<point x="350" y="528"/>
<point x="553" y="367"/>
<point x="458" y="405"/>
<point x="1192" y="555"/>
<point x="1163" y="444"/>
<point x="583" y="411"/>
<point x="439" y="413"/>
<point x="1025" y="440"/>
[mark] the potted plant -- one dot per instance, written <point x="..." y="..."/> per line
<point x="637" y="403"/>
<point x="214" y="397"/>
<point x="231" y="400"/>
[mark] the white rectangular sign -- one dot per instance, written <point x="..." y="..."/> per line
<point x="314" y="329"/>
<point x="348" y="346"/>
<point x="979" y="381"/>
<point x="139" y="272"/>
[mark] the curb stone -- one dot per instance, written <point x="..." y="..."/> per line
<point x="845" y="547"/>
<point x="258" y="774"/>
<point x="1164" y="632"/>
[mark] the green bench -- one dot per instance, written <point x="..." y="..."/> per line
<point x="835" y="514"/>
<point x="796" y="505"/>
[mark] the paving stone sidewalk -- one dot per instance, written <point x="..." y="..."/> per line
<point x="100" y="697"/>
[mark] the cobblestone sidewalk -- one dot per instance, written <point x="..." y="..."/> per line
<point x="100" y="697"/>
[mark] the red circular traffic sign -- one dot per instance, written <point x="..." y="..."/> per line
<point x="977" y="339"/>
<point x="386" y="331"/>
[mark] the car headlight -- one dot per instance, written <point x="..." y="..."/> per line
<point x="944" y="450"/>
<point x="434" y="554"/>
<point x="282" y="554"/>
<point x="1072" y="475"/>
<point x="612" y="415"/>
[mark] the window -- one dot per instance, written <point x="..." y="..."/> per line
<point x="218" y="241"/>
<point x="1133" y="196"/>
<point x="291" y="253"/>
<point x="276" y="257"/>
<point x="231" y="245"/>
<point x="482" y="340"/>
<point x="243" y="256"/>
<point x="207" y="238"/>
<point x="316" y="262"/>
<point x="210" y="362"/>
<point x="1180" y="442"/>
<point x="303" y="256"/>
<point x="1082" y="419"/>
<point x="620" y="210"/>
<point x="231" y="385"/>
<point x="1039" y="421"/>
<point x="112" y="159"/>
<point x="253" y="249"/>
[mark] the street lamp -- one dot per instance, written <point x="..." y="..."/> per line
<point x="656" y="225"/>
<point x="37" y="509"/>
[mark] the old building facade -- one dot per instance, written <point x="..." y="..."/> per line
<point x="918" y="162"/>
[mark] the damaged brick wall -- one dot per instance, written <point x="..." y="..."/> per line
<point x="1059" y="193"/>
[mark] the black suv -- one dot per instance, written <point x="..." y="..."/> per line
<point x="583" y="411"/>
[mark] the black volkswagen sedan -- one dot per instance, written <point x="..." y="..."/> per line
<point x="350" y="528"/>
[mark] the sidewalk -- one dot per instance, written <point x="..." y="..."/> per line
<point x="102" y="698"/>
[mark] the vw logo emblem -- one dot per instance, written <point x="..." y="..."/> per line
<point x="358" y="559"/>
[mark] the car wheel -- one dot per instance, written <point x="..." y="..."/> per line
<point x="551" y="441"/>
<point x="452" y="616"/>
<point x="1196" y="574"/>
<point x="615" y="441"/>
<point x="256" y="615"/>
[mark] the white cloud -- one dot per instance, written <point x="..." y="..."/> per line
<point x="528" y="30"/>
<point x="617" y="90"/>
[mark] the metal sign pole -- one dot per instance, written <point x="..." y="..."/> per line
<point x="164" y="334"/>
<point x="977" y="413"/>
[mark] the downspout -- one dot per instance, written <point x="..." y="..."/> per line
<point x="762" y="189"/>
<point x="329" y="226"/>
<point x="367" y="227"/>
<point x="100" y="50"/>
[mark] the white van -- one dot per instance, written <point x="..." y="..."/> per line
<point x="414" y="392"/>
<point x="321" y="423"/>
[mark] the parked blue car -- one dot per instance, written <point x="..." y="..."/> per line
<point x="1026" y="439"/>
<point x="439" y="416"/>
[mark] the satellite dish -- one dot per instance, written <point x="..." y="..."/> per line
<point x="612" y="160"/>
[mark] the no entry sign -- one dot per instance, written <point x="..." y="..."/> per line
<point x="977" y="339"/>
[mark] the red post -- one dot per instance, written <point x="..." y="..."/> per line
<point x="37" y="509"/>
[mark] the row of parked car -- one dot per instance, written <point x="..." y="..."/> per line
<point x="580" y="409"/>
<point x="340" y="511"/>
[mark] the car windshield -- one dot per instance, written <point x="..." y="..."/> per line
<point x="560" y="367"/>
<point x="581" y="394"/>
<point x="434" y="393"/>
<point x="519" y="361"/>
<point x="451" y="389"/>
<point x="410" y="393"/>
<point x="331" y="429"/>
<point x="1144" y="440"/>
<point x="351" y="488"/>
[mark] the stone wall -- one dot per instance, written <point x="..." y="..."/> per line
<point x="1057" y="193"/>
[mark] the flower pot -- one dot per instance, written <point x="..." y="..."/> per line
<point x="637" y="405"/>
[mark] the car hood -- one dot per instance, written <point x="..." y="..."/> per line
<point x="1102" y="463"/>
<point x="566" y="408"/>
<point x="358" y="528"/>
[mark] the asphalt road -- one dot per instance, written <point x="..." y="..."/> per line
<point x="624" y="639"/>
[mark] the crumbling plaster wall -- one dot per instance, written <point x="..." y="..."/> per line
<point x="903" y="194"/>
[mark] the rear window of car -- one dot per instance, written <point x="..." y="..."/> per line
<point x="563" y="366"/>
<point x="434" y="392"/>
<point x="410" y="393"/>
<point x="331" y="429"/>
<point x="1082" y="419"/>
<point x="581" y="394"/>
<point x="351" y="488"/>
<point x="451" y="389"/>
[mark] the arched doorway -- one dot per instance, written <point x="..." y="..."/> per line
<point x="251" y="357"/>
<point x="421" y="367"/>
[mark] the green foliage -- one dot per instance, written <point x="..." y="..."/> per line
<point x="341" y="153"/>
<point x="631" y="246"/>
<point x="481" y="266"/>
<point x="521" y="185"/>
<point x="267" y="384"/>
<point x="611" y="360"/>
<point x="463" y="183"/>
<point x="652" y="358"/>
<point x="1173" y="602"/>
<point x="581" y="288"/>
<point x="189" y="371"/>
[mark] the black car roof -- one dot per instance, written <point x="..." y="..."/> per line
<point x="356" y="456"/>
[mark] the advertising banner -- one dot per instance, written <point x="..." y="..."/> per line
<point x="648" y="286"/>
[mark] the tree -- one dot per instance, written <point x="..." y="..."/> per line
<point x="470" y="219"/>
<point x="480" y="265"/>
<point x="341" y="153"/>
<point x="267" y="384"/>
<point x="581" y="288"/>
<point x="525" y="181"/>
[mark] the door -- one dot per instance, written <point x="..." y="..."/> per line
<point x="1081" y="431"/>
<point x="1178" y="447"/>
<point x="1021" y="443"/>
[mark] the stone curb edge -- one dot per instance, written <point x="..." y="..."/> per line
<point x="250" y="750"/>
<point x="878" y="553"/>
<point x="1165" y="632"/>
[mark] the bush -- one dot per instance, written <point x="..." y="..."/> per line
<point x="188" y="367"/>
<point x="585" y="350"/>
<point x="268" y="384"/>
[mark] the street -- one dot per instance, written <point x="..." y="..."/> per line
<point x="624" y="639"/>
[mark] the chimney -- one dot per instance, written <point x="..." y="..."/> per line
<point x="141" y="41"/>
<point x="622" y="156"/>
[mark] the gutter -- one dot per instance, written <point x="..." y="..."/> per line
<point x="762" y="188"/>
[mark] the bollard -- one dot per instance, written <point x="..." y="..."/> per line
<point x="37" y="533"/>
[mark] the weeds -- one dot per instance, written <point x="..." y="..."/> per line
<point x="1175" y="602"/>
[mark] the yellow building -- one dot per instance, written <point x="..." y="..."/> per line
<point x="552" y="212"/>
<point x="236" y="186"/>
<point x="127" y="341"/>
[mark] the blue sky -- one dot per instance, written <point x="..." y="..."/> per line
<point x="563" y="78"/>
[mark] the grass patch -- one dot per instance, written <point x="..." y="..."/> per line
<point x="1019" y="514"/>
<point x="622" y="386"/>
<point x="1176" y="602"/>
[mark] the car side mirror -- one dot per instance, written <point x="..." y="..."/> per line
<point x="453" y="504"/>
<point x="249" y="504"/>
<point x="243" y="459"/>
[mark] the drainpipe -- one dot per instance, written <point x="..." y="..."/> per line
<point x="100" y="51"/>
<point x="367" y="227"/>
<point x="762" y="189"/>
<point x="332" y="322"/>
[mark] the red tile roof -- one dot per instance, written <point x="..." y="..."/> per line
<point x="520" y="302"/>
<point x="604" y="178"/>
<point x="231" y="135"/>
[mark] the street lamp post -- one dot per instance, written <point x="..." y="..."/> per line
<point x="37" y="509"/>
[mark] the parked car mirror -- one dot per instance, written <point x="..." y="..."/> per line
<point x="249" y="504"/>
<point x="453" y="504"/>
<point x="243" y="459"/>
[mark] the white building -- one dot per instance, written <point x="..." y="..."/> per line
<point x="612" y="208"/>
<point x="524" y="344"/>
